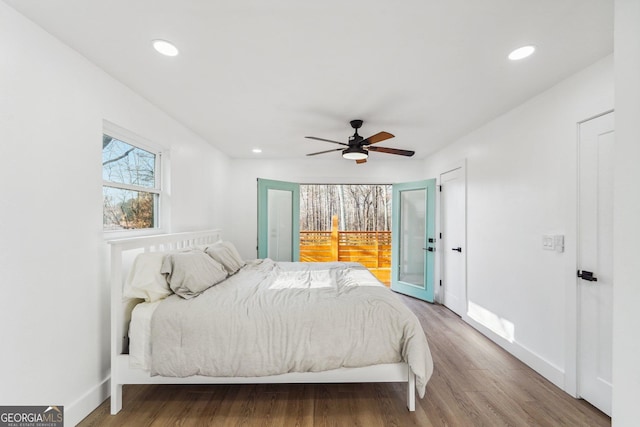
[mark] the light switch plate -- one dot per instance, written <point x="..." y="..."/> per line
<point x="547" y="242"/>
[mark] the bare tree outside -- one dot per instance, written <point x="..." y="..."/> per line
<point x="359" y="207"/>
<point x="127" y="171"/>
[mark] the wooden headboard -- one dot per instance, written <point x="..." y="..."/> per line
<point x="123" y="251"/>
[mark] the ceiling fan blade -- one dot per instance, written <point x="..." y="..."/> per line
<point x="361" y="161"/>
<point x="397" y="151"/>
<point x="326" y="140"/>
<point x="322" y="152"/>
<point x="380" y="136"/>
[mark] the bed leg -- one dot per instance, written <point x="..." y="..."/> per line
<point x="411" y="391"/>
<point x="116" y="398"/>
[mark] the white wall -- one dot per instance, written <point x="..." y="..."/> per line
<point x="626" y="305"/>
<point x="334" y="170"/>
<point x="54" y="308"/>
<point x="521" y="184"/>
<point x="521" y="172"/>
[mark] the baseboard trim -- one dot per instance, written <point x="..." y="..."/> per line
<point x="78" y="410"/>
<point x="545" y="368"/>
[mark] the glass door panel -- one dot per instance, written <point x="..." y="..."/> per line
<point x="280" y="224"/>
<point x="413" y="204"/>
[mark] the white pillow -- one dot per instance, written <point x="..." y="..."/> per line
<point x="227" y="255"/>
<point x="191" y="273"/>
<point x="145" y="280"/>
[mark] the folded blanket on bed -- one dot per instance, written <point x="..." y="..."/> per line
<point x="274" y="318"/>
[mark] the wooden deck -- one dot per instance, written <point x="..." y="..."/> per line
<point x="370" y="248"/>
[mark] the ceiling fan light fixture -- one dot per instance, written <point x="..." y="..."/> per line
<point x="355" y="153"/>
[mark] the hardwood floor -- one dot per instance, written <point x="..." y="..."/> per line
<point x="475" y="383"/>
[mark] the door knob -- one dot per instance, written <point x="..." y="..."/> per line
<point x="457" y="249"/>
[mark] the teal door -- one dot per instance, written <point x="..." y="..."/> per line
<point x="278" y="220"/>
<point x="413" y="239"/>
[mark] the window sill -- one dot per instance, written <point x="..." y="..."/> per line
<point x="123" y="234"/>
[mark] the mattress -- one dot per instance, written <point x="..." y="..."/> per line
<point x="140" y="335"/>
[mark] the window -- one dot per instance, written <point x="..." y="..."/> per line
<point x="130" y="184"/>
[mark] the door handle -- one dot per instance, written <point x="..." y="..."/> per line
<point x="587" y="275"/>
<point x="430" y="249"/>
<point x="457" y="249"/>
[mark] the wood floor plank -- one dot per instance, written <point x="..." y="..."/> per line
<point x="475" y="383"/>
<point x="300" y="404"/>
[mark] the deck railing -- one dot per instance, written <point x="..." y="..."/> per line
<point x="370" y="248"/>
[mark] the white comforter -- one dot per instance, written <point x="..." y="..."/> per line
<point x="273" y="318"/>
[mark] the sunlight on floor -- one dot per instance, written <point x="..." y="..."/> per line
<point x="496" y="324"/>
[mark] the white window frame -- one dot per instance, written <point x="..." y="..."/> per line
<point x="142" y="143"/>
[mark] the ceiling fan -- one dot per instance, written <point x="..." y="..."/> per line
<point x="358" y="147"/>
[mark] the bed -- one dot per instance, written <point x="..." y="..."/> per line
<point x="263" y="322"/>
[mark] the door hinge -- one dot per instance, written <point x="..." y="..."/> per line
<point x="440" y="282"/>
<point x="440" y="188"/>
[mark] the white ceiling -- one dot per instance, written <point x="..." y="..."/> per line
<point x="267" y="73"/>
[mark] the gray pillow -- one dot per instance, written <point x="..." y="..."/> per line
<point x="191" y="273"/>
<point x="227" y="255"/>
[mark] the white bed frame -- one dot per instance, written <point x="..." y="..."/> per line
<point x="122" y="253"/>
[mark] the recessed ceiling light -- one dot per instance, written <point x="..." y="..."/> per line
<point x="257" y="150"/>
<point x="521" y="52"/>
<point x="165" y="47"/>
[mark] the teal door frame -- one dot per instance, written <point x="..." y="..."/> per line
<point x="264" y="185"/>
<point x="424" y="291"/>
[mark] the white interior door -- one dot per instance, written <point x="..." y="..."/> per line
<point x="453" y="233"/>
<point x="595" y="261"/>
